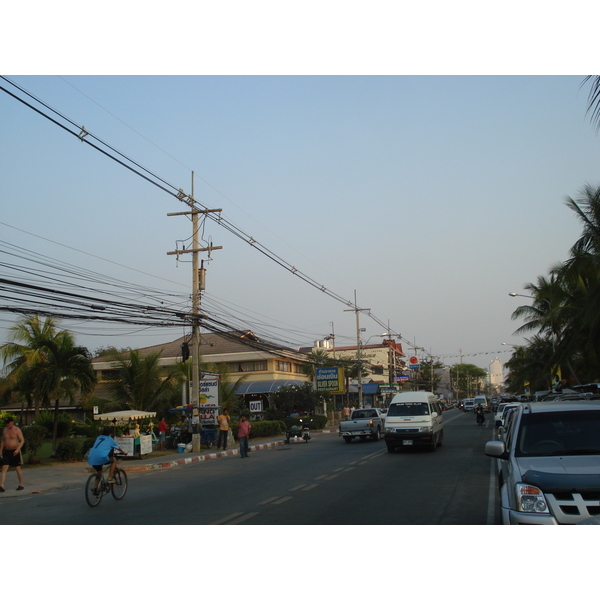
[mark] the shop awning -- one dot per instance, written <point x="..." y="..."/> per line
<point x="265" y="386"/>
<point x="367" y="388"/>
<point x="124" y="415"/>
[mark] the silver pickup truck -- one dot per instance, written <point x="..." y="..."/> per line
<point x="363" y="423"/>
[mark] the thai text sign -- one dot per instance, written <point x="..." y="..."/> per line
<point x="330" y="379"/>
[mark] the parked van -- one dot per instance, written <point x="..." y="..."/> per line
<point x="414" y="419"/>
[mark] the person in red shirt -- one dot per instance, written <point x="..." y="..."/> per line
<point x="162" y="433"/>
<point x="244" y="428"/>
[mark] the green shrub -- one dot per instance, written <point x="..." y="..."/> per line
<point x="262" y="428"/>
<point x="69" y="450"/>
<point x="34" y="437"/>
<point x="86" y="445"/>
<point x="81" y="429"/>
<point x="4" y="414"/>
<point x="46" y="419"/>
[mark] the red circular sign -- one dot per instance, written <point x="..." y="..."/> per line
<point x="414" y="360"/>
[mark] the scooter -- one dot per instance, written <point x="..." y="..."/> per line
<point x="297" y="432"/>
<point x="305" y="432"/>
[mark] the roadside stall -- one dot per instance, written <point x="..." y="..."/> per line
<point x="135" y="443"/>
<point x="196" y="422"/>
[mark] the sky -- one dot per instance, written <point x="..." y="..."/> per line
<point x="431" y="197"/>
<point x="419" y="155"/>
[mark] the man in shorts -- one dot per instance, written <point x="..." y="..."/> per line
<point x="103" y="452"/>
<point x="10" y="447"/>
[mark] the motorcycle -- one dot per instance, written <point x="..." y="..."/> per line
<point x="305" y="432"/>
<point x="298" y="432"/>
<point x="480" y="418"/>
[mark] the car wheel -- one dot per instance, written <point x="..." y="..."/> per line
<point x="433" y="445"/>
<point x="377" y="435"/>
<point x="347" y="440"/>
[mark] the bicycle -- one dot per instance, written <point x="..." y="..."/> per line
<point x="97" y="485"/>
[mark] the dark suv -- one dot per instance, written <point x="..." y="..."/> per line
<point x="549" y="464"/>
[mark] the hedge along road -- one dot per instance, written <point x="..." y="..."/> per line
<point x="322" y="482"/>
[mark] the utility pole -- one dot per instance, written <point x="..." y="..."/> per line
<point x="357" y="311"/>
<point x="197" y="287"/>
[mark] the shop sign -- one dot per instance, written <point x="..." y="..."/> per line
<point x="255" y="406"/>
<point x="330" y="379"/>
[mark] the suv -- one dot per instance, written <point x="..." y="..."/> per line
<point x="549" y="470"/>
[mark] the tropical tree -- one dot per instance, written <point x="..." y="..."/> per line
<point x="28" y="346"/>
<point x="297" y="399"/>
<point x="67" y="369"/>
<point x="428" y="374"/>
<point x="141" y="383"/>
<point x="565" y="311"/>
<point x="466" y="378"/>
<point x="594" y="99"/>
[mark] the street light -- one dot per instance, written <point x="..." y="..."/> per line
<point x="513" y="294"/>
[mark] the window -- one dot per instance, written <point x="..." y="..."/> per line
<point x="559" y="433"/>
<point x="281" y="365"/>
<point x="408" y="409"/>
<point x="246" y="367"/>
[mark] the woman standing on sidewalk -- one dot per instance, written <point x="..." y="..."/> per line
<point x="244" y="428"/>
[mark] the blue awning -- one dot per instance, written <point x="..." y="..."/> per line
<point x="265" y="386"/>
<point x="367" y="388"/>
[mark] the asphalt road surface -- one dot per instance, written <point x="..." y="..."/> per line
<point x="322" y="482"/>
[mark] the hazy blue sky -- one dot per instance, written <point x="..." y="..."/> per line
<point x="431" y="196"/>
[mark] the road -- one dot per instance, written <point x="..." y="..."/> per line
<point x="322" y="482"/>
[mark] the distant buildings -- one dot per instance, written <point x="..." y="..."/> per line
<point x="495" y="375"/>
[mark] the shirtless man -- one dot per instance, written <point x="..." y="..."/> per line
<point x="10" y="446"/>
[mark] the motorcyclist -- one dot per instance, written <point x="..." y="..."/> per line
<point x="479" y="414"/>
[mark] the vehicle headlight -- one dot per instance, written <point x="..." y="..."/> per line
<point x="425" y="429"/>
<point x="530" y="499"/>
<point x="390" y="430"/>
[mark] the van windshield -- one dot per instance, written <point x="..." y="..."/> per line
<point x="408" y="409"/>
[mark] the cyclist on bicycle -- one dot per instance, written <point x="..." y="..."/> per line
<point x="102" y="453"/>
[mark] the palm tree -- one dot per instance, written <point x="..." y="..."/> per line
<point x="141" y="383"/>
<point x="594" y="99"/>
<point x="28" y="347"/>
<point x="66" y="369"/>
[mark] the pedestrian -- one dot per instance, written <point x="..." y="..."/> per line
<point x="244" y="428"/>
<point x="10" y="446"/>
<point x="223" y="421"/>
<point x="162" y="433"/>
<point x="346" y="413"/>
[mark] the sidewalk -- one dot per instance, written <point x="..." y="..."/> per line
<point x="39" y="479"/>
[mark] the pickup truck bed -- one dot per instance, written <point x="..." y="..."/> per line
<point x="363" y="423"/>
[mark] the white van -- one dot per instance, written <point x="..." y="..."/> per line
<point x="414" y="419"/>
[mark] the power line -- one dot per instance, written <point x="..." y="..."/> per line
<point x="82" y="134"/>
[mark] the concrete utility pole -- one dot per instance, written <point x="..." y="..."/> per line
<point x="357" y="311"/>
<point x="197" y="287"/>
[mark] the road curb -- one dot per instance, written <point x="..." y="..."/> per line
<point x="196" y="459"/>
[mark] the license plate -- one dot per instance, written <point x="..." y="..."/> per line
<point x="407" y="442"/>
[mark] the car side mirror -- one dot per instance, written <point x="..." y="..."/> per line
<point x="496" y="449"/>
<point x="434" y="414"/>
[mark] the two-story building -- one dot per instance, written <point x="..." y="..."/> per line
<point x="262" y="367"/>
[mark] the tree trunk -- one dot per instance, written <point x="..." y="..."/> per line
<point x="55" y="426"/>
